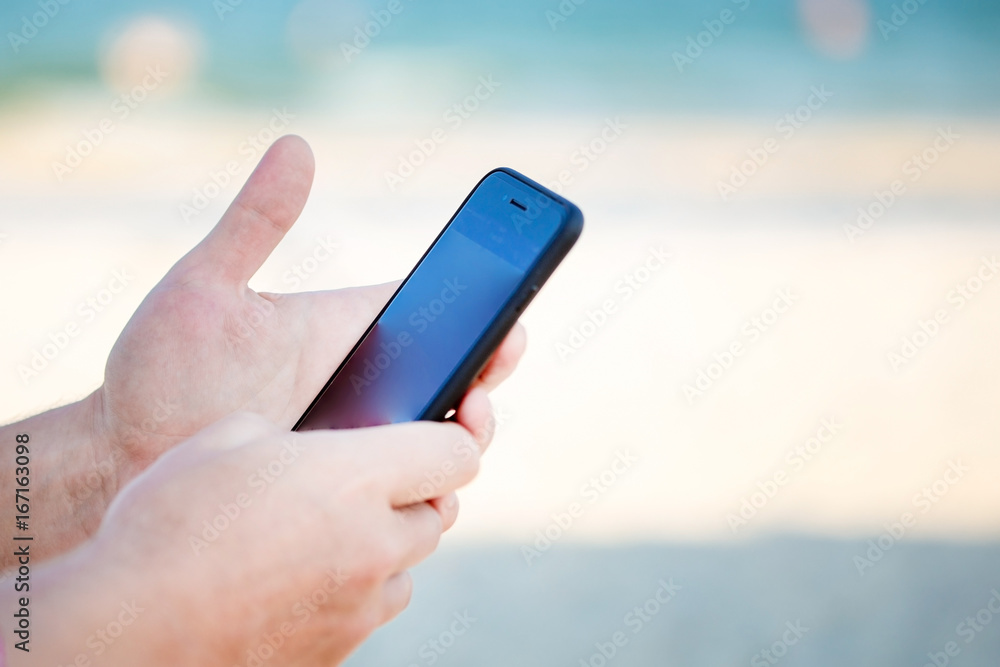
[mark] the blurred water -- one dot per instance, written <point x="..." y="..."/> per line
<point x="944" y="59"/>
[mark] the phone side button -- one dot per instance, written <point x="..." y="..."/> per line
<point x="527" y="299"/>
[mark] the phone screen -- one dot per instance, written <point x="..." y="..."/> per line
<point x="462" y="286"/>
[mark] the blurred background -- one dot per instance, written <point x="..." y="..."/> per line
<point x="778" y="444"/>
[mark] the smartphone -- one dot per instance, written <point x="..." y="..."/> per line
<point x="436" y="333"/>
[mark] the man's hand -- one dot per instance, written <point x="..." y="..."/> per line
<point x="201" y="346"/>
<point x="248" y="537"/>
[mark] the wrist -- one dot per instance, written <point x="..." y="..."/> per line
<point x="92" y="484"/>
<point x="71" y="475"/>
<point x="86" y="609"/>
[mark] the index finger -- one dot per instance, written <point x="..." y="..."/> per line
<point x="411" y="462"/>
<point x="427" y="460"/>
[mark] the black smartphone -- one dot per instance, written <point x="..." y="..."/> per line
<point x="436" y="333"/>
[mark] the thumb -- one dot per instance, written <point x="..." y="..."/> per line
<point x="264" y="210"/>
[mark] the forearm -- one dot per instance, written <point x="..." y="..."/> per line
<point x="84" y="609"/>
<point x="71" y="475"/>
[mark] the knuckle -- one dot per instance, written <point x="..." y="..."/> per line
<point x="394" y="553"/>
<point x="368" y="574"/>
<point x="361" y="624"/>
<point x="379" y="561"/>
<point x="464" y="444"/>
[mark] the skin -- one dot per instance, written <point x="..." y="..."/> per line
<point x="319" y="558"/>
<point x="201" y="347"/>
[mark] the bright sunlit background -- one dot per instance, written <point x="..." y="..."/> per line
<point x="822" y="176"/>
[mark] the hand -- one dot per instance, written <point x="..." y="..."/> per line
<point x="203" y="345"/>
<point x="247" y="536"/>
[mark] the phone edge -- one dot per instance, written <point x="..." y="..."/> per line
<point x="551" y="257"/>
<point x="453" y="388"/>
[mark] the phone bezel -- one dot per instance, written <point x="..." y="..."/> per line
<point x="482" y="349"/>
